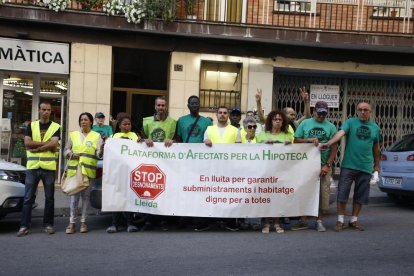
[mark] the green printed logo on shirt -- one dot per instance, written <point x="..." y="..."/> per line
<point x="319" y="133"/>
<point x="363" y="132"/>
<point x="158" y="135"/>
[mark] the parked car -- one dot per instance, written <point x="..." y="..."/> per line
<point x="397" y="170"/>
<point x="12" y="177"/>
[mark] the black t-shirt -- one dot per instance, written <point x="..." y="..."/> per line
<point x="43" y="130"/>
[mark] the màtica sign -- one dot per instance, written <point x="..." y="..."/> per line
<point x="34" y="56"/>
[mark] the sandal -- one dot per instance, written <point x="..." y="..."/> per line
<point x="266" y="229"/>
<point x="356" y="226"/>
<point x="279" y="229"/>
<point x="339" y="226"/>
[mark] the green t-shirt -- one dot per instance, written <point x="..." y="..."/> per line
<point x="360" y="140"/>
<point x="158" y="131"/>
<point x="104" y="130"/>
<point x="184" y="125"/>
<point x="282" y="137"/>
<point x="324" y="131"/>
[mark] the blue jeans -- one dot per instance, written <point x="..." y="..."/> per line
<point x="32" y="181"/>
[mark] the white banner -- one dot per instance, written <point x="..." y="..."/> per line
<point x="34" y="56"/>
<point x="236" y="180"/>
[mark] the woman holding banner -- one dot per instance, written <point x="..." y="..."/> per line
<point x="124" y="127"/>
<point x="83" y="147"/>
<point x="276" y="131"/>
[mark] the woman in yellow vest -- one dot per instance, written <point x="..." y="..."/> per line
<point x="124" y="128"/>
<point x="276" y="131"/>
<point x="83" y="146"/>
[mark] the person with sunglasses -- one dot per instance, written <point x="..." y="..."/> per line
<point x="248" y="133"/>
<point x="319" y="130"/>
<point x="361" y="158"/>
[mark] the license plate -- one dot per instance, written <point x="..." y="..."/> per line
<point x="392" y="181"/>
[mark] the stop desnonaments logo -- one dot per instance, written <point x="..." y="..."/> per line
<point x="147" y="181"/>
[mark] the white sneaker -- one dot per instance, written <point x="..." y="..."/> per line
<point x="319" y="226"/>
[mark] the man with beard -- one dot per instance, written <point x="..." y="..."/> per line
<point x="160" y="127"/>
<point x="223" y="133"/>
<point x="319" y="130"/>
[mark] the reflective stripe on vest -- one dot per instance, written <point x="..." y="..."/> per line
<point x="229" y="136"/>
<point x="46" y="160"/>
<point x="87" y="152"/>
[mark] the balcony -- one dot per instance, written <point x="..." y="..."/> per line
<point x="371" y="16"/>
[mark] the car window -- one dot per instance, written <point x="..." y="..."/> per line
<point x="405" y="144"/>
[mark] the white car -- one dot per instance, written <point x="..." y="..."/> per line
<point x="12" y="178"/>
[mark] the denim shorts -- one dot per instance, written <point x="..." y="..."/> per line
<point x="361" y="189"/>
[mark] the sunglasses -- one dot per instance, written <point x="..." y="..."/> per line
<point x="251" y="126"/>
<point x="322" y="114"/>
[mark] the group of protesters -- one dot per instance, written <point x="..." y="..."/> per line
<point x="86" y="145"/>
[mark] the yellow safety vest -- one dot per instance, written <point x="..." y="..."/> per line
<point x="130" y="135"/>
<point x="87" y="151"/>
<point x="46" y="160"/>
<point x="229" y="136"/>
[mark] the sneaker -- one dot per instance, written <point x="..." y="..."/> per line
<point x="71" y="228"/>
<point x="84" y="228"/>
<point x="319" y="226"/>
<point x="111" y="229"/>
<point x="301" y="225"/>
<point x="356" y="226"/>
<point x="266" y="229"/>
<point x="23" y="231"/>
<point x="49" y="229"/>
<point x="132" y="228"/>
<point x="232" y="228"/>
<point x="279" y="229"/>
<point x="202" y="228"/>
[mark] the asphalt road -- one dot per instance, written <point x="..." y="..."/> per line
<point x="385" y="248"/>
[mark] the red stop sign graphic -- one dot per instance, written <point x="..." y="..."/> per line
<point x="147" y="181"/>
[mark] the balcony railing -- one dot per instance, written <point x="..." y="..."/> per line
<point x="372" y="16"/>
<point x="211" y="99"/>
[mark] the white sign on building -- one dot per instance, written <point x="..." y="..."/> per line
<point x="326" y="93"/>
<point x="34" y="56"/>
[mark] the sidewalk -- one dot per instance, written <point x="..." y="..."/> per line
<point x="62" y="201"/>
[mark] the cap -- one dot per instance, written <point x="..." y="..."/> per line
<point x="99" y="115"/>
<point x="235" y="110"/>
<point x="321" y="106"/>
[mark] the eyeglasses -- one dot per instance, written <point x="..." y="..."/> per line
<point x="322" y="114"/>
<point x="251" y="126"/>
<point x="363" y="110"/>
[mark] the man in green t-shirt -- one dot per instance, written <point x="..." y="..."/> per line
<point x="319" y="130"/>
<point x="160" y="127"/>
<point x="103" y="130"/>
<point x="361" y="158"/>
<point x="191" y="127"/>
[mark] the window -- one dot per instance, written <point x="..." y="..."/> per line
<point x="220" y="84"/>
<point x="391" y="8"/>
<point x="292" y="6"/>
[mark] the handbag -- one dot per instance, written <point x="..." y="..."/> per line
<point x="74" y="184"/>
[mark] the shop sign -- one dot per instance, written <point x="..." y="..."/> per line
<point x="326" y="93"/>
<point x="34" y="56"/>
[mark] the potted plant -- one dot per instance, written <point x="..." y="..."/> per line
<point x="189" y="9"/>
